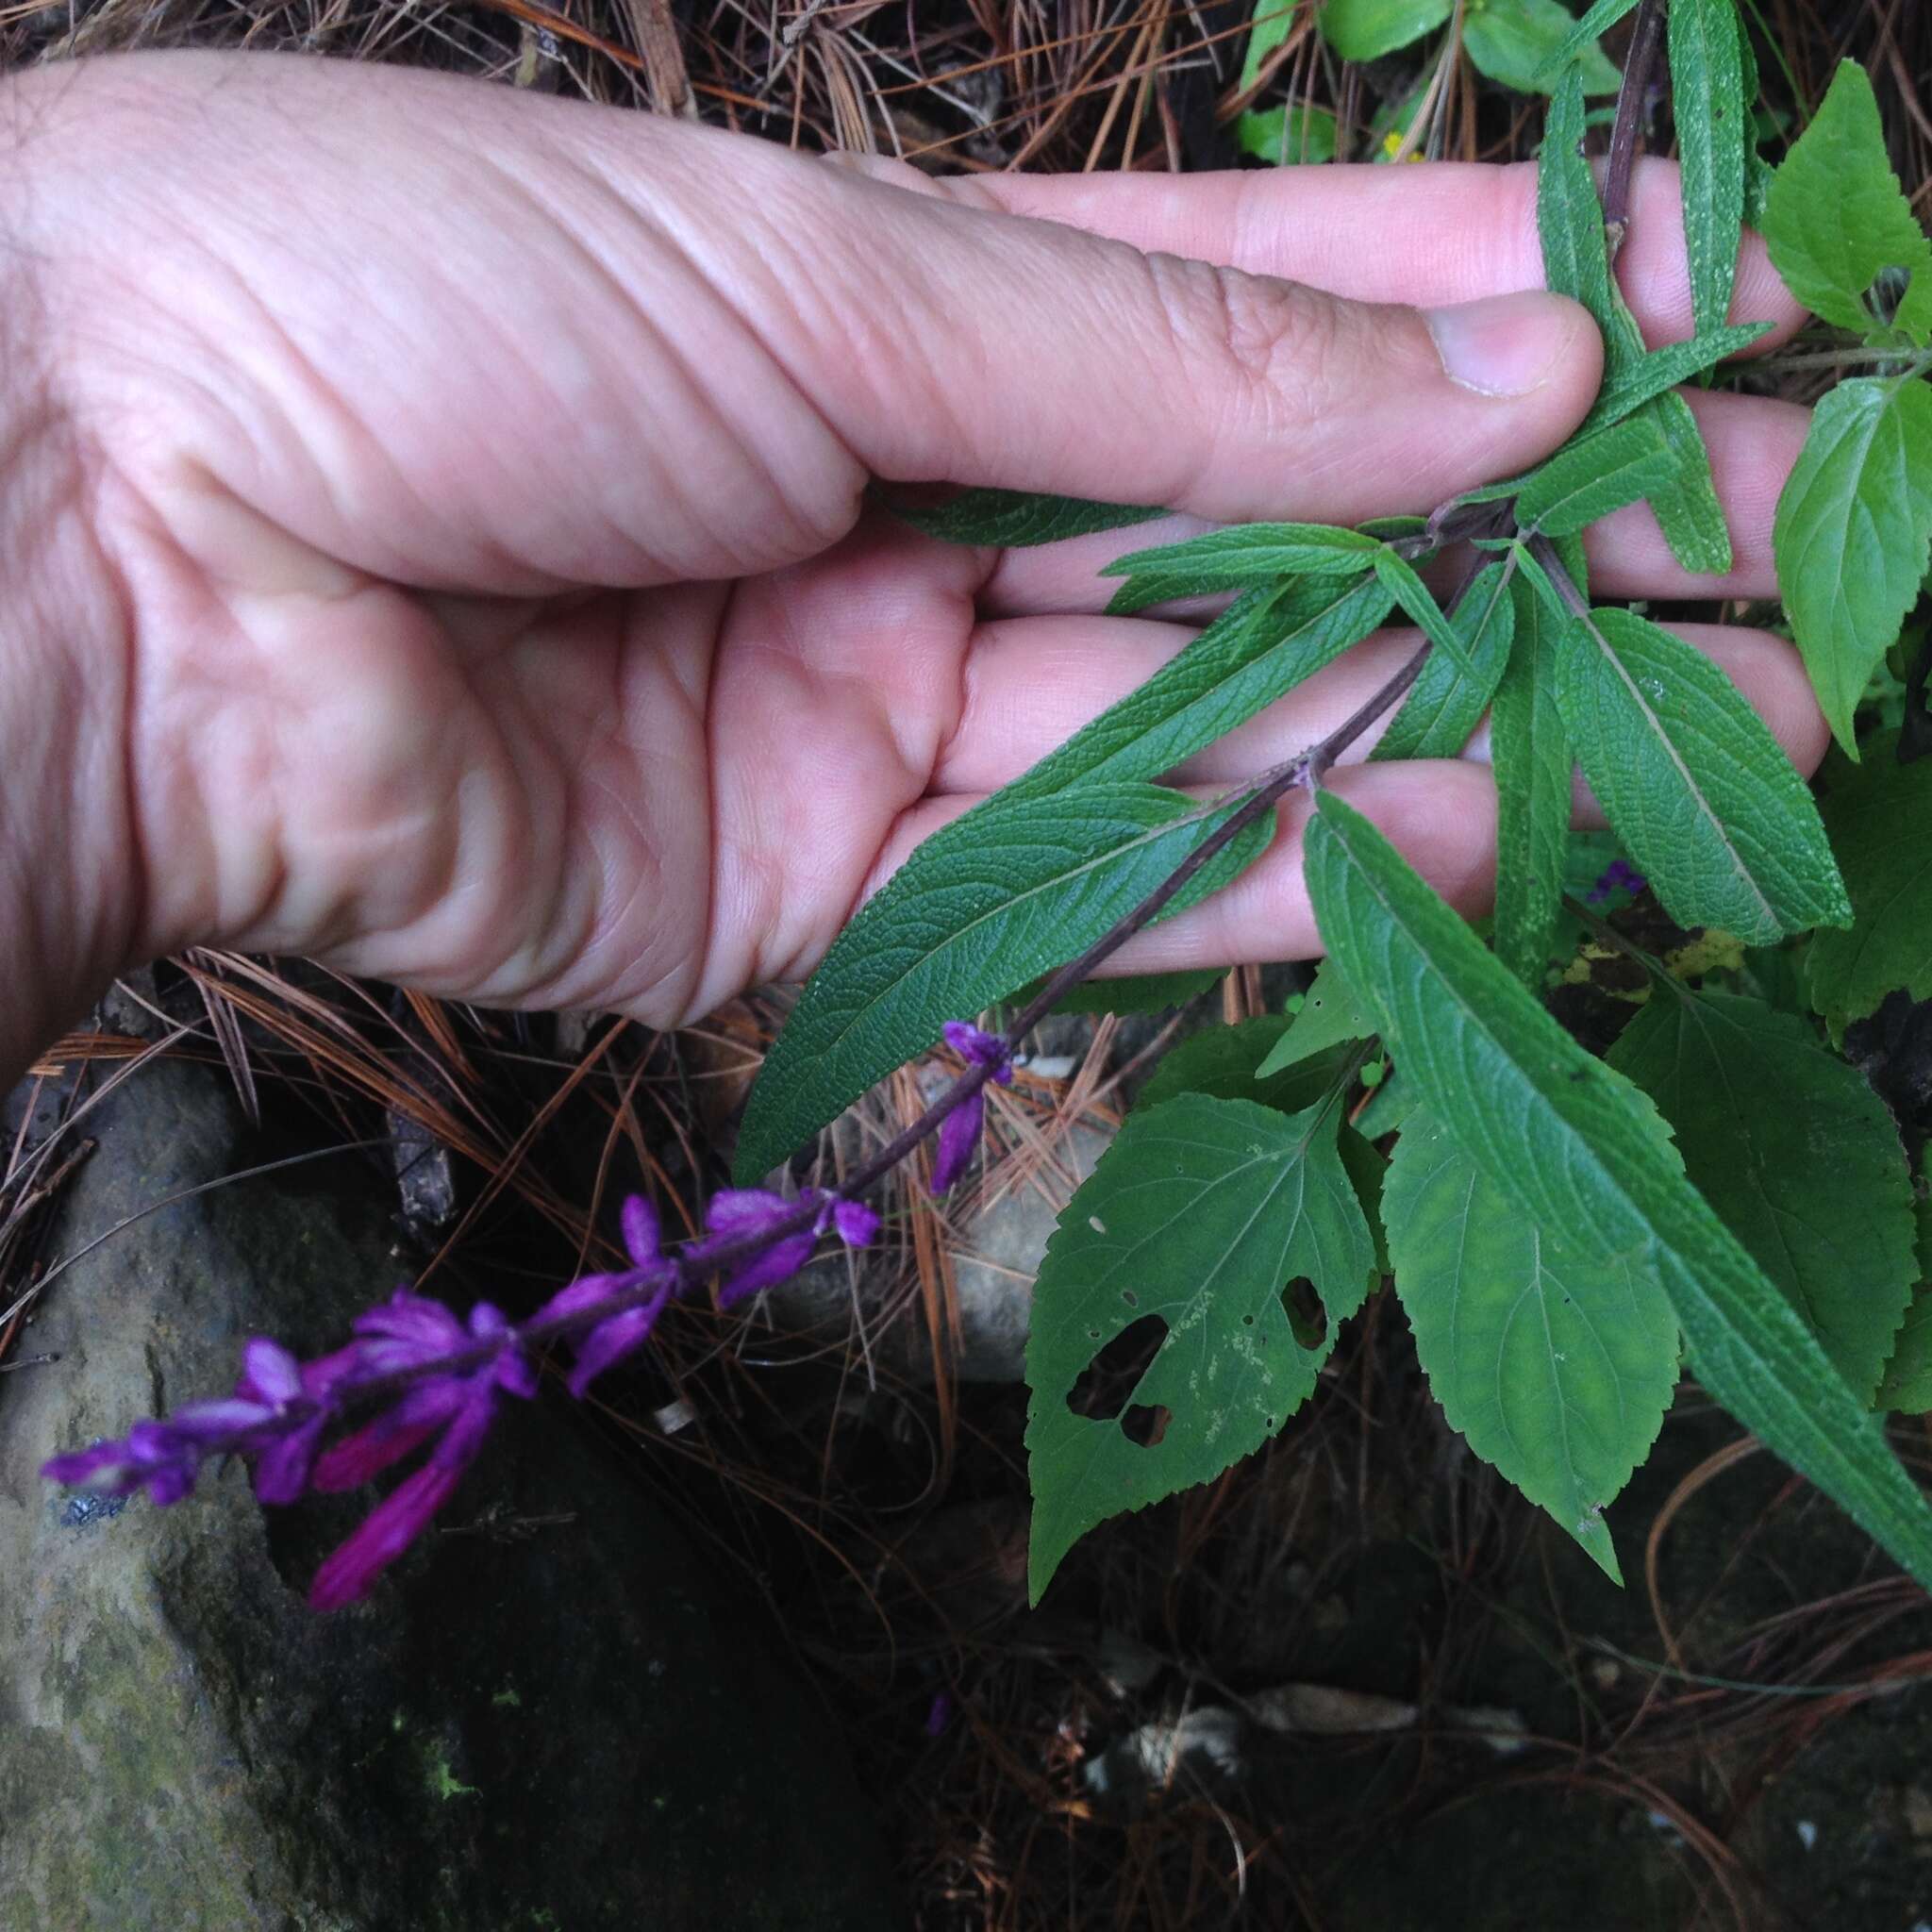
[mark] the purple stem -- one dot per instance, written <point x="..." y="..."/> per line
<point x="1639" y="69"/>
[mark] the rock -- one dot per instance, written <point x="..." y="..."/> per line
<point x="996" y="1255"/>
<point x="547" y="1717"/>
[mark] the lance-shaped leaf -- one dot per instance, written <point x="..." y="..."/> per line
<point x="1330" y="1016"/>
<point x="1529" y="751"/>
<point x="1138" y="993"/>
<point x="1582" y="1152"/>
<point x="1555" y="1363"/>
<point x="1448" y="699"/>
<point x="1875" y="815"/>
<point x="1837" y="220"/>
<point x="1688" y="510"/>
<point x="1797" y="1153"/>
<point x="1017" y="520"/>
<point x="1664" y="368"/>
<point x="1713" y="117"/>
<point x="961" y="925"/>
<point x="1397" y="575"/>
<point x="1596" y="475"/>
<point x="1570" y="220"/>
<point x="1260" y="647"/>
<point x="1196" y="1220"/>
<point x="1243" y="557"/>
<point x="1852" y="533"/>
<point x="1596" y="22"/>
<point x="1693" y="783"/>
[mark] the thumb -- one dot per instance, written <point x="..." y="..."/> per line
<point x="957" y="344"/>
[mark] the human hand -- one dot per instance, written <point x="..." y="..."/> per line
<point x="437" y="537"/>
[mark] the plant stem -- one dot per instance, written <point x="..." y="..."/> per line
<point x="1639" y="70"/>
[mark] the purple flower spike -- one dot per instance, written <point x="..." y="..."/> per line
<point x="959" y="1136"/>
<point x="611" y="1340"/>
<point x="642" y="1234"/>
<point x="856" y="1224"/>
<point x="982" y="1049"/>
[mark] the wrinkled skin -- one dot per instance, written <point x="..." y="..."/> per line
<point x="438" y="540"/>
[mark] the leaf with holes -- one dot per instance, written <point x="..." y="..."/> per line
<point x="1447" y="701"/>
<point x="1582" y="1153"/>
<point x="1329" y="1016"/>
<point x="1693" y="782"/>
<point x="1874" y="814"/>
<point x="1796" y="1153"/>
<point x="1853" y="529"/>
<point x="1557" y="1363"/>
<point x="1017" y="520"/>
<point x="961" y="925"/>
<point x="1200" y="1218"/>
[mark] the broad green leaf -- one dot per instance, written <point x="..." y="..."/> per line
<point x="1015" y="519"/>
<point x="1556" y="1362"/>
<point x="1800" y="1158"/>
<point x="1852" y="534"/>
<point x="1245" y="557"/>
<point x="1221" y="1062"/>
<point x="1582" y="1153"/>
<point x="1517" y="43"/>
<point x="1664" y="368"/>
<point x="1329" y="1016"/>
<point x="1264" y="645"/>
<point x="1530" y="754"/>
<point x="1288" y="136"/>
<point x="1837" y="219"/>
<point x="1140" y="992"/>
<point x="1593" y="476"/>
<point x="961" y="925"/>
<point x="1713" y="117"/>
<point x="1398" y="577"/>
<point x="1688" y="510"/>
<point x="1447" y="701"/>
<point x="1368" y="1168"/>
<point x="1596" y="22"/>
<point x="1367" y="29"/>
<point x="1876" y="816"/>
<point x="1200" y="1214"/>
<point x="1907" y="1384"/>
<point x="1693" y="783"/>
<point x="1387" y="1109"/>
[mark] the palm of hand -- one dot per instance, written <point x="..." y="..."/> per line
<point x="501" y="619"/>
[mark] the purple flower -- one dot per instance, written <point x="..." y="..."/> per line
<point x="959" y="1131"/>
<point x="1617" y="877"/>
<point x="611" y="1341"/>
<point x="735" y="1215"/>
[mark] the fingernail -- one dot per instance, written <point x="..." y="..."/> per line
<point x="1505" y="346"/>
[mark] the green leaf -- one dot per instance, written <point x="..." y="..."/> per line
<point x="1556" y="1362"/>
<point x="1836" y="219"/>
<point x="1200" y="1214"/>
<point x="1447" y="701"/>
<point x="1387" y="1109"/>
<point x="1664" y="368"/>
<point x="1288" y="136"/>
<point x="1517" y="43"/>
<point x="1221" y="1062"/>
<point x="961" y="924"/>
<point x="1713" y="117"/>
<point x="1244" y="556"/>
<point x="1693" y="783"/>
<point x="1877" y="814"/>
<point x="1530" y="753"/>
<point x="1596" y="475"/>
<point x="1570" y="220"/>
<point x="1688" y="510"/>
<point x="1140" y="992"/>
<point x="1598" y="20"/>
<point x="1015" y="519"/>
<point x="1907" y="1384"/>
<point x="1331" y="1015"/>
<point x="1397" y="575"/>
<point x="1797" y="1153"/>
<point x="1367" y="29"/>
<point x="1272" y="24"/>
<point x="1852" y="534"/>
<point x="1264" y="645"/>
<point x="1582" y="1153"/>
